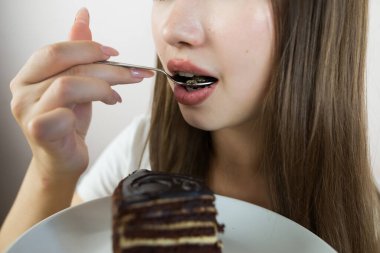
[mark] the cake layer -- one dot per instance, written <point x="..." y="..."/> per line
<point x="178" y="225"/>
<point x="171" y="219"/>
<point x="151" y="233"/>
<point x="161" y="241"/>
<point x="175" y="249"/>
<point x="173" y="211"/>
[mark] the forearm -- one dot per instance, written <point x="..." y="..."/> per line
<point x="39" y="197"/>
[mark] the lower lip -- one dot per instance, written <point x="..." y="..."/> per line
<point x="192" y="97"/>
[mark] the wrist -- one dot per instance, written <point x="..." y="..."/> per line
<point x="50" y="178"/>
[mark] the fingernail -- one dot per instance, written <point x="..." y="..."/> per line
<point x="116" y="96"/>
<point x="82" y="16"/>
<point x="109" y="51"/>
<point x="141" y="73"/>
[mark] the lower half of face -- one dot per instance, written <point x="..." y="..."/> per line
<point x="235" y="45"/>
<point x="233" y="101"/>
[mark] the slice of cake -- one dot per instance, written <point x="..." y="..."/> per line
<point x="160" y="212"/>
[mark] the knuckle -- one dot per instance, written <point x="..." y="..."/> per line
<point x="79" y="70"/>
<point x="13" y="85"/>
<point x="53" y="51"/>
<point x="62" y="87"/>
<point x="17" y="107"/>
<point x="33" y="129"/>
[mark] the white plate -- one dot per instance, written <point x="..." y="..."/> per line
<point x="87" y="228"/>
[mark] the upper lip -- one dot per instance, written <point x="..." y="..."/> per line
<point x="178" y="65"/>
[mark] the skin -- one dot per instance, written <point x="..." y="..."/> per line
<point x="233" y="40"/>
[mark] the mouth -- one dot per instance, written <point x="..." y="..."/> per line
<point x="191" y="81"/>
<point x="190" y="76"/>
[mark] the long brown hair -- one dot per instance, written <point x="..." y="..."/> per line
<point x="315" y="153"/>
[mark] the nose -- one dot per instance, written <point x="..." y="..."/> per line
<point x="183" y="25"/>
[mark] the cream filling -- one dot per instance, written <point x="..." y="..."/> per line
<point x="169" y="201"/>
<point x="175" y="226"/>
<point x="199" y="210"/>
<point x="129" y="243"/>
<point x="180" y="225"/>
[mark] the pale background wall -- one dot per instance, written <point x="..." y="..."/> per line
<point x="125" y="25"/>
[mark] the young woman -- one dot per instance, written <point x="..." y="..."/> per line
<point x="284" y="126"/>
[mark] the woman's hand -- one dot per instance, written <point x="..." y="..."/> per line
<point x="52" y="96"/>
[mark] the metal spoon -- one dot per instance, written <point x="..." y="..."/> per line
<point x="196" y="81"/>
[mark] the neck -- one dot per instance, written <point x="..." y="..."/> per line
<point x="234" y="167"/>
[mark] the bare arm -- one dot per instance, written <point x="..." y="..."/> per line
<point x="39" y="197"/>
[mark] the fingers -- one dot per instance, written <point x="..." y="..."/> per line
<point x="80" y="29"/>
<point x="24" y="96"/>
<point x="56" y="58"/>
<point x="111" y="74"/>
<point x="68" y="91"/>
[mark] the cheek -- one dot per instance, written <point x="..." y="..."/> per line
<point x="250" y="43"/>
<point x="250" y="57"/>
<point x="242" y="23"/>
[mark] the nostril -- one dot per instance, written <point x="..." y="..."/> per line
<point x="184" y="44"/>
<point x="185" y="39"/>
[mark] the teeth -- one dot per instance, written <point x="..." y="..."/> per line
<point x="185" y="74"/>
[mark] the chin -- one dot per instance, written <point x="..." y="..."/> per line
<point x="199" y="120"/>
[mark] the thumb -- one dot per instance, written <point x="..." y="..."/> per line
<point x="81" y="27"/>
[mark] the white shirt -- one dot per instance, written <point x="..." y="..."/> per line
<point x="127" y="153"/>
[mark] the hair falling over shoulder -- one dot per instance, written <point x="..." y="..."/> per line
<point x="315" y="155"/>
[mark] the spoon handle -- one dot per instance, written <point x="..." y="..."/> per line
<point x="179" y="80"/>
<point x="127" y="65"/>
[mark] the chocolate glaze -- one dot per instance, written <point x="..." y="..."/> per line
<point x="145" y="185"/>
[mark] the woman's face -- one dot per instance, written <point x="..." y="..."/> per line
<point x="229" y="40"/>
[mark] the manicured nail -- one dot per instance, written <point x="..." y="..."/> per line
<point x="109" y="51"/>
<point x="117" y="96"/>
<point x="141" y="73"/>
<point x="82" y="16"/>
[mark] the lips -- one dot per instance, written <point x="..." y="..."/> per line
<point x="192" y="98"/>
<point x="181" y="93"/>
<point x="178" y="65"/>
